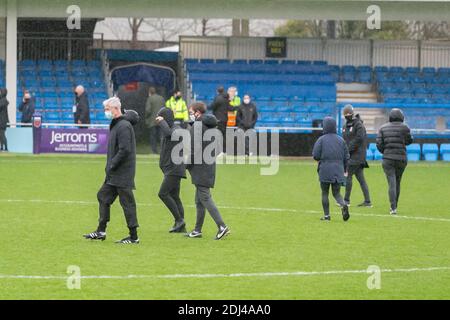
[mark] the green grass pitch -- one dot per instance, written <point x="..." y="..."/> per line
<point x="278" y="248"/>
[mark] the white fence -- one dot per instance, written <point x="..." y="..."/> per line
<point x="407" y="53"/>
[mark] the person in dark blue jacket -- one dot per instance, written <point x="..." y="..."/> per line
<point x="27" y="107"/>
<point x="332" y="153"/>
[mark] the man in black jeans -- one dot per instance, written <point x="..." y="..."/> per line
<point x="392" y="139"/>
<point x="354" y="134"/>
<point x="120" y="171"/>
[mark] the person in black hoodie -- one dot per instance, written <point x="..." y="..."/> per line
<point x="332" y="153"/>
<point x="81" y="115"/>
<point x="203" y="171"/>
<point x="354" y="134"/>
<point x="392" y="139"/>
<point x="120" y="171"/>
<point x="246" y="118"/>
<point x="220" y="108"/>
<point x="169" y="191"/>
<point x="3" y="119"/>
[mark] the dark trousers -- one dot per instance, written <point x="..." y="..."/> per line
<point x="155" y="137"/>
<point x="335" y="189"/>
<point x="106" y="197"/>
<point x="169" y="193"/>
<point x="204" y="201"/>
<point x="3" y="141"/>
<point x="358" y="172"/>
<point x="394" y="171"/>
<point x="223" y="129"/>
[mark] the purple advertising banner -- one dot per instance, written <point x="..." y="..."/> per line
<point x="73" y="141"/>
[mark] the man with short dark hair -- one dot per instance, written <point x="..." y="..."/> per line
<point x="154" y="103"/>
<point x="220" y="108"/>
<point x="120" y="172"/>
<point x="392" y="139"/>
<point x="354" y="134"/>
<point x="203" y="174"/>
<point x="246" y="118"/>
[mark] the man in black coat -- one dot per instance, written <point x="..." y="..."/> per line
<point x="220" y="108"/>
<point x="81" y="115"/>
<point x="392" y="139"/>
<point x="354" y="134"/>
<point x="246" y="118"/>
<point x="3" y="119"/>
<point x="169" y="191"/>
<point x="120" y="171"/>
<point x="203" y="171"/>
<point x="27" y="107"/>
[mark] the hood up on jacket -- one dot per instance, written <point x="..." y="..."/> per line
<point x="167" y="114"/>
<point x="329" y="125"/>
<point x="131" y="116"/>
<point x="209" y="120"/>
<point x="396" y="115"/>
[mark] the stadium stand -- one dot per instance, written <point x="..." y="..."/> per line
<point x="413" y="152"/>
<point x="430" y="152"/>
<point x="445" y="151"/>
<point x="52" y="84"/>
<point x="288" y="93"/>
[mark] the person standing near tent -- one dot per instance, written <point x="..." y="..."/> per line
<point x="235" y="102"/>
<point x="154" y="103"/>
<point x="179" y="108"/>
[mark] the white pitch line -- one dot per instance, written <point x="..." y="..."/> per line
<point x="80" y="202"/>
<point x="224" y="275"/>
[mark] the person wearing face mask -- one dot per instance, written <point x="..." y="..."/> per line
<point x="246" y="118"/>
<point x="180" y="111"/>
<point x="221" y="107"/>
<point x="27" y="107"/>
<point x="354" y="134"/>
<point x="81" y="108"/>
<point x="169" y="192"/>
<point x="203" y="172"/>
<point x="120" y="171"/>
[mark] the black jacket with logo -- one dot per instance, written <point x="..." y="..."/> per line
<point x="82" y="112"/>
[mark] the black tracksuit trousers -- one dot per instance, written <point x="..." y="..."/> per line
<point x="335" y="189"/>
<point x="394" y="171"/>
<point x="358" y="172"/>
<point x="169" y="193"/>
<point x="106" y="197"/>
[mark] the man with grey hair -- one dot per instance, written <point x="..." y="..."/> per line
<point x="120" y="171"/>
<point x="81" y="108"/>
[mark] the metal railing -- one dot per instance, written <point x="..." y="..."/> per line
<point x="58" y="46"/>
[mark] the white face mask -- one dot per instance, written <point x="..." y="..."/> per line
<point x="246" y="101"/>
<point x="192" y="117"/>
<point x="108" y="115"/>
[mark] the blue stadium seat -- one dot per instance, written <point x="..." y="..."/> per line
<point x="369" y="154"/>
<point x="413" y="152"/>
<point x="52" y="116"/>
<point x="377" y="155"/>
<point x="430" y="151"/>
<point x="445" y="151"/>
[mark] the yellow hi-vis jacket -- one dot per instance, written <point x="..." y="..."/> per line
<point x="236" y="102"/>
<point x="179" y="108"/>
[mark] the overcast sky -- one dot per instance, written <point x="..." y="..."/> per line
<point x="170" y="29"/>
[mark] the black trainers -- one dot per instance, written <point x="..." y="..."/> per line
<point x="178" y="227"/>
<point x="128" y="240"/>
<point x="365" y="204"/>
<point x="95" y="236"/>
<point x="194" y="234"/>
<point x="345" y="213"/>
<point x="325" y="218"/>
<point x="223" y="231"/>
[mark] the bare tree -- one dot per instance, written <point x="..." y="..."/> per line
<point x="135" y="25"/>
<point x="166" y="29"/>
<point x="206" y="27"/>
